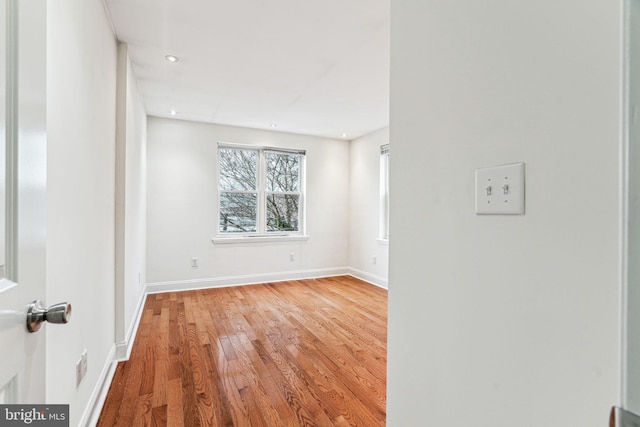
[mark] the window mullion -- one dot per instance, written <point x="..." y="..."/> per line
<point x="238" y="191"/>
<point x="292" y="193"/>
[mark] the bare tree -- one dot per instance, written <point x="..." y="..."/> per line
<point x="283" y="176"/>
<point x="238" y="169"/>
<point x="238" y="204"/>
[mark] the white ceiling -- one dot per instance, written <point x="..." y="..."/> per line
<point x="315" y="67"/>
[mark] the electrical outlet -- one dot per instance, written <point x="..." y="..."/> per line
<point x="292" y="257"/>
<point x="375" y="260"/>
<point x="194" y="262"/>
<point x="81" y="367"/>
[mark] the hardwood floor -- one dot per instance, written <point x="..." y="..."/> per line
<point x="297" y="353"/>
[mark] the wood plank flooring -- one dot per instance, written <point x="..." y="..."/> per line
<point x="297" y="353"/>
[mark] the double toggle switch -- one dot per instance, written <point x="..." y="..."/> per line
<point x="505" y="190"/>
<point x="500" y="190"/>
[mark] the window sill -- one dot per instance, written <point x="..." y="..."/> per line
<point x="383" y="242"/>
<point x="259" y="239"/>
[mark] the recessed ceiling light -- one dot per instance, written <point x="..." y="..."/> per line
<point x="171" y="58"/>
<point x="273" y="125"/>
<point x="173" y="112"/>
<point x="344" y="135"/>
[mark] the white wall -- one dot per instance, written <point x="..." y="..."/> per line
<point x="504" y="320"/>
<point x="81" y="53"/>
<point x="631" y="396"/>
<point x="130" y="204"/>
<point x="364" y="209"/>
<point x="182" y="219"/>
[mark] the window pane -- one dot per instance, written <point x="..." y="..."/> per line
<point x="282" y="212"/>
<point x="238" y="212"/>
<point x="238" y="169"/>
<point x="386" y="196"/>
<point x="283" y="172"/>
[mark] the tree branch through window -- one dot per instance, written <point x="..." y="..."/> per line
<point x="259" y="190"/>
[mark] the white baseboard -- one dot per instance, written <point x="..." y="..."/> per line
<point x="368" y="277"/>
<point x="251" y="279"/>
<point x="119" y="352"/>
<point x="99" y="395"/>
<point x="123" y="349"/>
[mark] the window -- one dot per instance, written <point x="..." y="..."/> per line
<point x="260" y="190"/>
<point x="384" y="192"/>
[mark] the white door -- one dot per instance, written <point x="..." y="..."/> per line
<point x="22" y="197"/>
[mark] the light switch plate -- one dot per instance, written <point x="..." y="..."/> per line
<point x="500" y="190"/>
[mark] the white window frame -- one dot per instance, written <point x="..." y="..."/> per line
<point x="384" y="195"/>
<point x="261" y="234"/>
